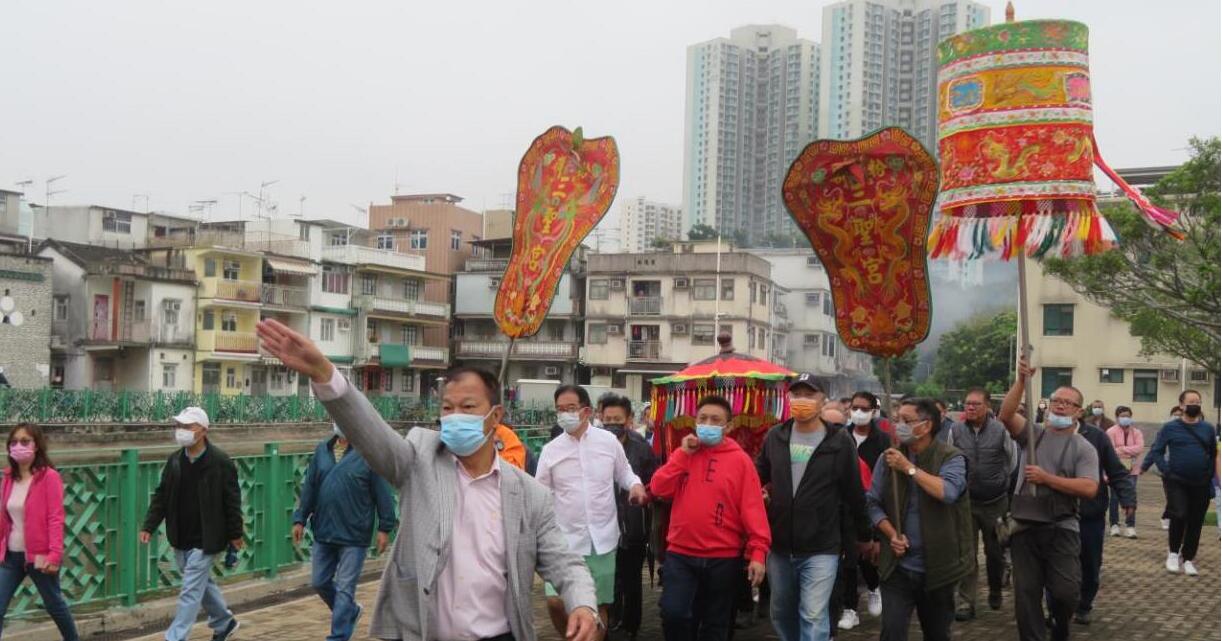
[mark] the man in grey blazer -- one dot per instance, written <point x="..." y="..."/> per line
<point x="474" y="530"/>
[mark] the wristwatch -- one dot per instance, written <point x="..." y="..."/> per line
<point x="912" y="470"/>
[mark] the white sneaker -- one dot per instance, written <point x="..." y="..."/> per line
<point x="848" y="620"/>
<point x="1130" y="532"/>
<point x="1190" y="569"/>
<point x="1173" y="563"/>
<point x="874" y="603"/>
<point x="1166" y="523"/>
<point x="1115" y="530"/>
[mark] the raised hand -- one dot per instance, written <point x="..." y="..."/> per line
<point x="297" y="352"/>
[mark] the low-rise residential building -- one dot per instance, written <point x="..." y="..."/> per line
<point x="552" y="353"/>
<point x="120" y="319"/>
<point x="807" y="313"/>
<point x="649" y="315"/>
<point x="25" y="320"/>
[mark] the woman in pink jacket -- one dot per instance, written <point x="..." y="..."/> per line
<point x="1129" y="444"/>
<point x="32" y="526"/>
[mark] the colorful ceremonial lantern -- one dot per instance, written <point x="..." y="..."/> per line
<point x="565" y="185"/>
<point x="865" y="207"/>
<point x="1017" y="146"/>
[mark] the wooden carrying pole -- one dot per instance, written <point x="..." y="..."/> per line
<point x="895" y="479"/>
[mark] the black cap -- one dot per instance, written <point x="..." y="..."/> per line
<point x="807" y="379"/>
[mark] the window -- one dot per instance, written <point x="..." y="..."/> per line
<point x="338" y="239"/>
<point x="303" y="232"/>
<point x="1111" y="375"/>
<point x="229" y="322"/>
<point x="409" y="334"/>
<point x="810" y="340"/>
<point x="419" y="239"/>
<point x="232" y="270"/>
<point x="209" y="267"/>
<point x="138" y="311"/>
<point x="279" y="378"/>
<point x="828" y="310"/>
<point x="597" y="334"/>
<point x="231" y="377"/>
<point x="812" y="299"/>
<point x="209" y="320"/>
<point x="763" y="294"/>
<point x="371" y="330"/>
<point x="334" y="280"/>
<point x="1199" y="376"/>
<point x="117" y="222"/>
<point x="211" y="376"/>
<point x="702" y="334"/>
<point x="411" y="289"/>
<point x="369" y="284"/>
<point x="388" y="380"/>
<point x="326" y="329"/>
<point x="751" y="288"/>
<point x="763" y="341"/>
<point x="829" y="346"/>
<point x="1058" y="320"/>
<point x="1145" y="386"/>
<point x="169" y="311"/>
<point x="750" y="338"/>
<point x="61" y="308"/>
<point x="704" y="289"/>
<point x="598" y="289"/>
<point x="727" y="289"/>
<point x="169" y="375"/>
<point x="407" y="381"/>
<point x="1053" y="377"/>
<point x="344" y="325"/>
<point x="555" y="332"/>
<point x="386" y="241"/>
<point x="455" y="240"/>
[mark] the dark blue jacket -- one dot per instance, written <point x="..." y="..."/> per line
<point x="1118" y="477"/>
<point x="1180" y="455"/>
<point x="339" y="499"/>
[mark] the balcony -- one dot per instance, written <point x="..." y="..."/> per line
<point x="285" y="296"/>
<point x="486" y="265"/>
<point x="644" y="350"/>
<point x="361" y="255"/>
<point x="102" y="332"/>
<point x="419" y="354"/>
<point x="230" y="342"/>
<point x="645" y="305"/>
<point x="536" y="349"/>
<point x="402" y="306"/>
<point x="158" y="272"/>
<point x="239" y="290"/>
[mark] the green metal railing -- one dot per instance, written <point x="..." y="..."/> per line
<point x="90" y="406"/>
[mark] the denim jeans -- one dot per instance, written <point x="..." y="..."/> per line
<point x="698" y="595"/>
<point x="801" y="592"/>
<point x="1114" y="511"/>
<point x="14" y="570"/>
<point x="336" y="569"/>
<point x="198" y="589"/>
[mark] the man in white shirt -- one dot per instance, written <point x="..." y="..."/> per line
<point x="581" y="467"/>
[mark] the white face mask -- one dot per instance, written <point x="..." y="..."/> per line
<point x="860" y="417"/>
<point x="568" y="421"/>
<point x="184" y="437"/>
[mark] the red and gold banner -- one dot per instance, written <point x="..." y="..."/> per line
<point x="865" y="206"/>
<point x="565" y="185"/>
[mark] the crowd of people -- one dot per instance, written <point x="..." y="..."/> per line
<point x="844" y="492"/>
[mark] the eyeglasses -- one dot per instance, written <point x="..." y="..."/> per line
<point x="1063" y="402"/>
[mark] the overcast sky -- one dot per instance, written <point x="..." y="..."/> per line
<point x="191" y="101"/>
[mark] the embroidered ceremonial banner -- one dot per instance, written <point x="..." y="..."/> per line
<point x="865" y="206"/>
<point x="1017" y="148"/>
<point x="565" y="185"/>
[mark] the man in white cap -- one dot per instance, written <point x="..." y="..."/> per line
<point x="200" y="501"/>
<point x="339" y="497"/>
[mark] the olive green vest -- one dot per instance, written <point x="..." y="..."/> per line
<point x="946" y="530"/>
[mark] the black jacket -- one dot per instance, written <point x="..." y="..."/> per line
<point x="877" y="442"/>
<point x="220" y="500"/>
<point x="810" y="521"/>
<point x="1118" y="476"/>
<point x="635" y="522"/>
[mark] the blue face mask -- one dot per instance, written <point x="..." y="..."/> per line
<point x="1058" y="422"/>
<point x="710" y="435"/>
<point x="463" y="434"/>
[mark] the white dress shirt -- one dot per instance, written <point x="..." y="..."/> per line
<point x="582" y="474"/>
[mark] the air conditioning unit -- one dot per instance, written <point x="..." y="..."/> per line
<point x="617" y="283"/>
<point x="551" y="371"/>
<point x="494" y="283"/>
<point x="813" y="261"/>
<point x="681" y="283"/>
<point x="1169" y="376"/>
<point x="613" y="330"/>
<point x="344" y="325"/>
<point x="678" y="329"/>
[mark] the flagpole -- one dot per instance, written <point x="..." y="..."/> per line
<point x="717" y="299"/>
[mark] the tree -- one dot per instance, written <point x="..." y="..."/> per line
<point x="701" y="231"/>
<point x="902" y="368"/>
<point x="661" y="243"/>
<point x="978" y="352"/>
<point x="1167" y="290"/>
